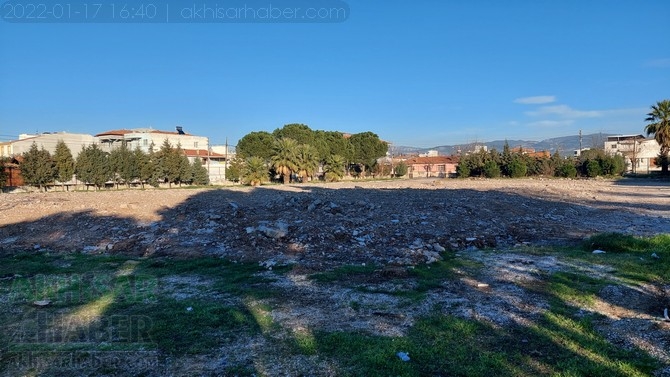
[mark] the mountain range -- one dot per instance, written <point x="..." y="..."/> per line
<point x="565" y="145"/>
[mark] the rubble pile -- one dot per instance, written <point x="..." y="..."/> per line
<point x="382" y="223"/>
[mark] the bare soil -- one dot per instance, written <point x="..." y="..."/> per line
<point x="388" y="224"/>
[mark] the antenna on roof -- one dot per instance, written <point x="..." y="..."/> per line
<point x="180" y="130"/>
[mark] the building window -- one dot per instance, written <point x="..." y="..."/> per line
<point x="195" y="144"/>
<point x="613" y="146"/>
<point x="145" y="142"/>
<point x="441" y="168"/>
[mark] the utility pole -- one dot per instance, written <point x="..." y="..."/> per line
<point x="208" y="171"/>
<point x="225" y="160"/>
<point x="580" y="142"/>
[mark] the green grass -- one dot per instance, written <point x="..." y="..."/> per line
<point x="442" y="345"/>
<point x="344" y="273"/>
<point x="117" y="303"/>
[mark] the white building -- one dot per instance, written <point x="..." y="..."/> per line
<point x="144" y="138"/>
<point x="46" y="140"/>
<point x="640" y="152"/>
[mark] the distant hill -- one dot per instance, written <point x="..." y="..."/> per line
<point x="565" y="145"/>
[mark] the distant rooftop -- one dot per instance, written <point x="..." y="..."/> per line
<point x="122" y="132"/>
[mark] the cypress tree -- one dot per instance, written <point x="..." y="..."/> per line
<point x="64" y="163"/>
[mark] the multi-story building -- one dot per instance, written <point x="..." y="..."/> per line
<point x="46" y="140"/>
<point x="145" y="138"/>
<point x="640" y="153"/>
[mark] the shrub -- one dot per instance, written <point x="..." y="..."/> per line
<point x="463" y="170"/>
<point x="401" y="169"/>
<point x="491" y="169"/>
<point x="517" y="168"/>
<point x="566" y="170"/>
<point x="592" y="168"/>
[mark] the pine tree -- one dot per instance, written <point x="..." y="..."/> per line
<point x="199" y="173"/>
<point x="164" y="162"/>
<point x="38" y="168"/>
<point x="182" y="167"/>
<point x="117" y="160"/>
<point x="92" y="166"/>
<point x="146" y="167"/>
<point x="64" y="163"/>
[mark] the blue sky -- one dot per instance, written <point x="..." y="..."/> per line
<point x="423" y="73"/>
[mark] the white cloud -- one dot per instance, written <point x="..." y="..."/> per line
<point x="536" y="100"/>
<point x="658" y="63"/>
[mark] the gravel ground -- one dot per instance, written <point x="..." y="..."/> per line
<point x="399" y="222"/>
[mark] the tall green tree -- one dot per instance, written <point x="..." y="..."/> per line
<point x="122" y="166"/>
<point x="131" y="170"/>
<point x="299" y="132"/>
<point x="285" y="158"/>
<point x="259" y="144"/>
<point x="92" y="166"/>
<point x="199" y="174"/>
<point x="183" y="171"/>
<point x="146" y="167"/>
<point x="328" y="143"/>
<point x="367" y="148"/>
<point x="659" y="126"/>
<point x="163" y="160"/>
<point x="234" y="170"/>
<point x="38" y="168"/>
<point x="64" y="163"/>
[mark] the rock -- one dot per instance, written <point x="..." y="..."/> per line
<point x="89" y="249"/>
<point x="279" y="230"/>
<point x="42" y="303"/>
<point x="437" y="247"/>
<point x="313" y="205"/>
<point x="599" y="251"/>
<point x="10" y="240"/>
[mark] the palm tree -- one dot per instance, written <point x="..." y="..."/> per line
<point x="308" y="161"/>
<point x="255" y="171"/>
<point x="334" y="168"/>
<point x="660" y="127"/>
<point x="285" y="158"/>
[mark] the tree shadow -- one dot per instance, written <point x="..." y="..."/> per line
<point x="316" y="227"/>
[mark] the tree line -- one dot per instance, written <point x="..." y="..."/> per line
<point x="121" y="166"/>
<point x="515" y="164"/>
<point x="295" y="152"/>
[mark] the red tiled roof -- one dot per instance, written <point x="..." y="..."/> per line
<point x="432" y="160"/>
<point x="201" y="153"/>
<point x="114" y="133"/>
